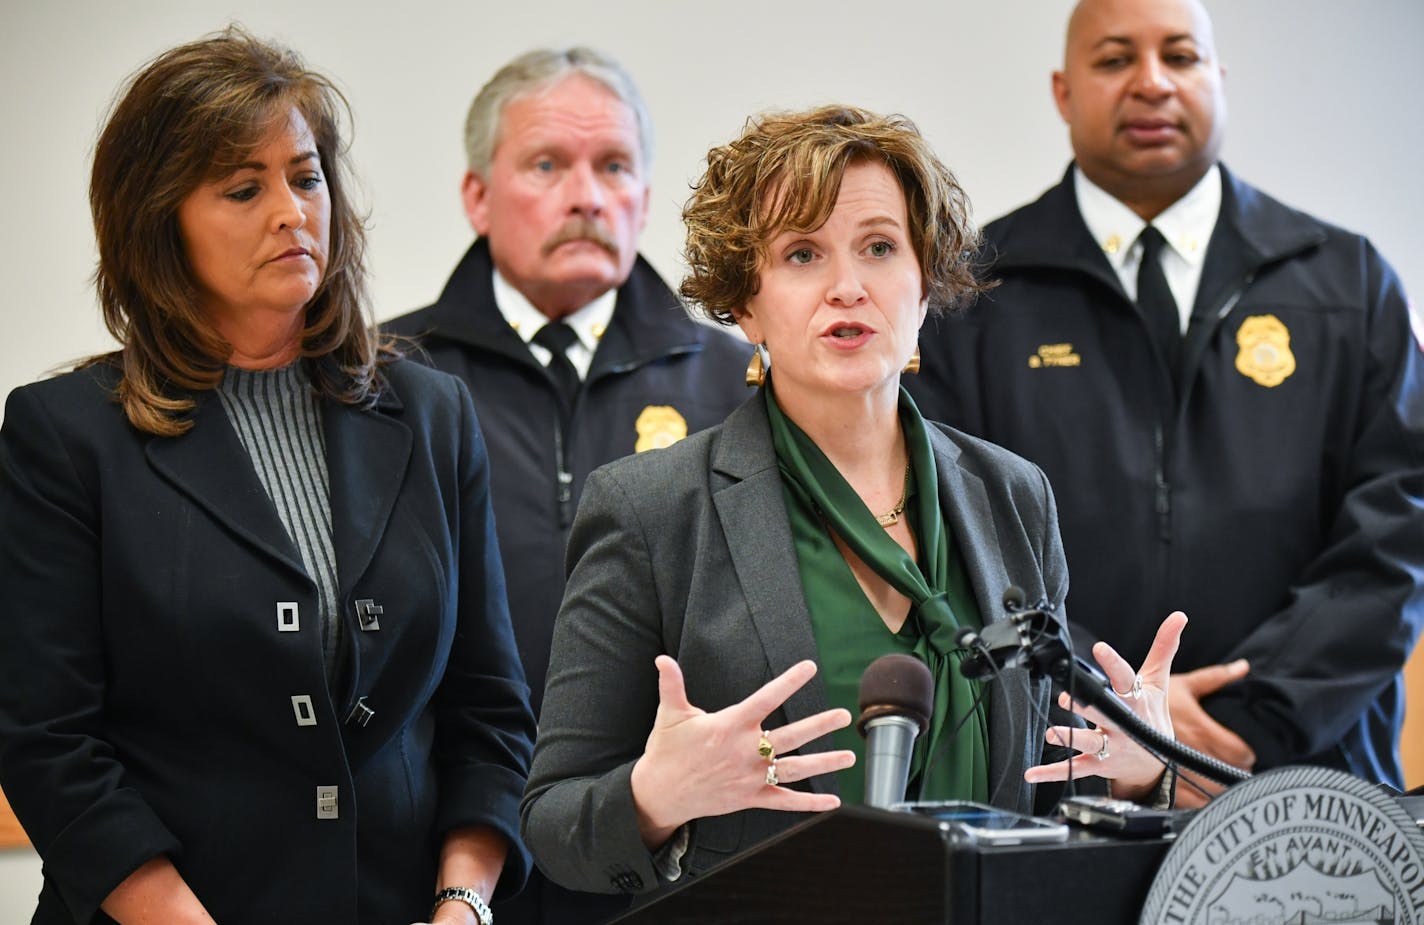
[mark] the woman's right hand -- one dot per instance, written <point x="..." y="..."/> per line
<point x="699" y="764"/>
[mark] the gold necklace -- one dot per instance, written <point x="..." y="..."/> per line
<point x="891" y="517"/>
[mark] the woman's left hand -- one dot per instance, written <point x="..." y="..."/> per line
<point x="1107" y="751"/>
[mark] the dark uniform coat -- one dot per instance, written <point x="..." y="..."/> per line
<point x="1275" y="492"/>
<point x="162" y="638"/>
<point x="652" y="355"/>
<point x="656" y="376"/>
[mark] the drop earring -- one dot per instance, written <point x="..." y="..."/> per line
<point x="756" y="369"/>
<point x="913" y="366"/>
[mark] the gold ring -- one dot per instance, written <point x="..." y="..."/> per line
<point x="765" y="748"/>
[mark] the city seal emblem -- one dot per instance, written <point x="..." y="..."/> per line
<point x="659" y="426"/>
<point x="1294" y="845"/>
<point x="1263" y="352"/>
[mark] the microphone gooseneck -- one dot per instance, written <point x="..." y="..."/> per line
<point x="1035" y="639"/>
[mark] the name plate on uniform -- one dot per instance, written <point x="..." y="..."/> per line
<point x="1295" y="845"/>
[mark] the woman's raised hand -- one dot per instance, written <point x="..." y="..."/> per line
<point x="699" y="764"/>
<point x="1107" y="751"/>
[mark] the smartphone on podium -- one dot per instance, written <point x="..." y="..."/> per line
<point x="1122" y="817"/>
<point x="988" y="825"/>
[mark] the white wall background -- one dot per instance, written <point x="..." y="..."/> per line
<point x="1324" y="96"/>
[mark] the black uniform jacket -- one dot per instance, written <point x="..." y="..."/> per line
<point x="162" y="636"/>
<point x="1274" y="492"/>
<point x="656" y="376"/>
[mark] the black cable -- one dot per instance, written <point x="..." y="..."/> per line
<point x="974" y="705"/>
<point x="1002" y="681"/>
<point x="1070" y="788"/>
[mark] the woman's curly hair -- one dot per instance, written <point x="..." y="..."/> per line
<point x="784" y="174"/>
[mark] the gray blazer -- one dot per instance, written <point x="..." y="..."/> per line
<point x="688" y="551"/>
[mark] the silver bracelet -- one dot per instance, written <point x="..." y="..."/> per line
<point x="467" y="896"/>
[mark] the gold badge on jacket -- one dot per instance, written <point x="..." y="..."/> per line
<point x="659" y="426"/>
<point x="1264" y="354"/>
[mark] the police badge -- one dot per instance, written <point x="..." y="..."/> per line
<point x="1264" y="355"/>
<point x="659" y="426"/>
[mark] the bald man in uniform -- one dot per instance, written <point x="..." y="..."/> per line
<point x="1227" y="398"/>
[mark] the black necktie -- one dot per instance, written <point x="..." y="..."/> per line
<point x="1154" y="299"/>
<point x="556" y="337"/>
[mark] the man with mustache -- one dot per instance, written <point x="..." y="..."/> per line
<point x="575" y="352"/>
<point x="1227" y="398"/>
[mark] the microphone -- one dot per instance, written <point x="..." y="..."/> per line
<point x="896" y="700"/>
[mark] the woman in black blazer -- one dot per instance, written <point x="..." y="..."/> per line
<point x="257" y="664"/>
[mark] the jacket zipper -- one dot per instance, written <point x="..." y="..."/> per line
<point x="1162" y="485"/>
<point x="564" y="486"/>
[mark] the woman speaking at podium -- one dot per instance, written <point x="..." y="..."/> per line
<point x="727" y="593"/>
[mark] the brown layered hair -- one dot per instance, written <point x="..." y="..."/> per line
<point x="784" y="174"/>
<point x="193" y="114"/>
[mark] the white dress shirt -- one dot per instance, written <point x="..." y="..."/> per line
<point x="1187" y="225"/>
<point x="588" y="323"/>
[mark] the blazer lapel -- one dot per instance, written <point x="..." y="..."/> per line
<point x="210" y="466"/>
<point x="752" y="511"/>
<point x="965" y="504"/>
<point x="367" y="452"/>
<point x="1014" y="703"/>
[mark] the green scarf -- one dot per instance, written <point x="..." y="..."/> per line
<point x="849" y="632"/>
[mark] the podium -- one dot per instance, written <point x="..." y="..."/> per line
<point x="857" y="864"/>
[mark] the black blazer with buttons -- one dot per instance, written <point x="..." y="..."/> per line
<point x="146" y="690"/>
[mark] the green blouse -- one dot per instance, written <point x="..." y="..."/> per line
<point x="951" y="759"/>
